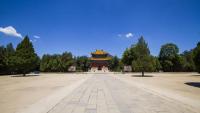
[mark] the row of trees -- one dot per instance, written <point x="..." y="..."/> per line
<point x="172" y="61"/>
<point x="23" y="59"/>
<point x="56" y="62"/>
<point x="169" y="60"/>
<point x="61" y="62"/>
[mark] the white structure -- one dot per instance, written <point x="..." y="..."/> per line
<point x="127" y="68"/>
<point x="103" y="69"/>
<point x="72" y="69"/>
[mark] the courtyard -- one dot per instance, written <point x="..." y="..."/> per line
<point x="101" y="93"/>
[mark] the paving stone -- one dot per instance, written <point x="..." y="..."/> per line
<point x="106" y="94"/>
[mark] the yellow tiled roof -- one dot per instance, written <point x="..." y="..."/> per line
<point x="99" y="52"/>
<point x="107" y="58"/>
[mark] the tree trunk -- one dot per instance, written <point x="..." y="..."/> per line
<point x="142" y="73"/>
<point x="24" y="74"/>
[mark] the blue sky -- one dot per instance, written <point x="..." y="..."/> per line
<point x="81" y="26"/>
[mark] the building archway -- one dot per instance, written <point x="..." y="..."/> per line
<point x="99" y="61"/>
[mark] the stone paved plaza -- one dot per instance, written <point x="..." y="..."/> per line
<point x="106" y="94"/>
<point x="100" y="93"/>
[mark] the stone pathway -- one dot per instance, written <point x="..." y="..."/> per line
<point x="106" y="94"/>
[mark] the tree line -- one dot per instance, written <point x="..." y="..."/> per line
<point x="169" y="59"/>
<point x="61" y="62"/>
<point x="23" y="59"/>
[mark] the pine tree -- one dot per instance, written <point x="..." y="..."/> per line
<point x="138" y="55"/>
<point x="2" y="60"/>
<point x="10" y="63"/>
<point x="25" y="58"/>
<point x="143" y="61"/>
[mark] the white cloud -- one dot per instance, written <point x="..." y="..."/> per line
<point x="129" y="35"/>
<point x="34" y="40"/>
<point x="11" y="31"/>
<point x="37" y="37"/>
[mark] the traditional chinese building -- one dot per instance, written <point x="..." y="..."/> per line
<point x="99" y="61"/>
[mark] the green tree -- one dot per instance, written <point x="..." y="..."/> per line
<point x="45" y="63"/>
<point x="127" y="57"/>
<point x="67" y="61"/>
<point x="82" y="63"/>
<point x="10" y="63"/>
<point x="139" y="57"/>
<point x="115" y="64"/>
<point x="25" y="58"/>
<point x="197" y="57"/>
<point x="144" y="64"/>
<point x="37" y="68"/>
<point x="178" y="65"/>
<point x="2" y="60"/>
<point x="156" y="64"/>
<point x="10" y="49"/>
<point x="144" y="61"/>
<point x="188" y="62"/>
<point x="6" y="59"/>
<point x="56" y="62"/>
<point x="169" y="58"/>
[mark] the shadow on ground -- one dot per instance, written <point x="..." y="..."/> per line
<point x="29" y="75"/>
<point x="141" y="76"/>
<point x="194" y="84"/>
<point x="196" y="75"/>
